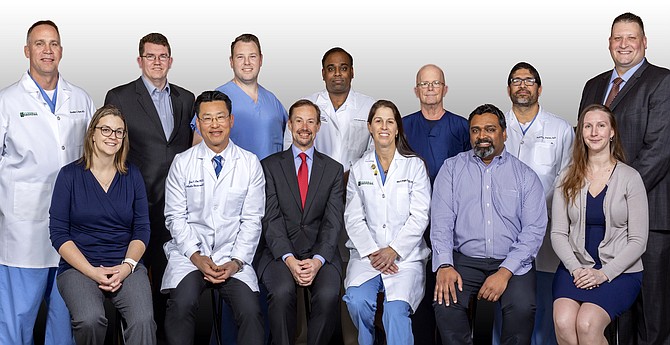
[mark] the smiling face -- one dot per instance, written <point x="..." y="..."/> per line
<point x="214" y="122"/>
<point x="487" y="137"/>
<point x="155" y="71"/>
<point x="107" y="146"/>
<point x="44" y="51"/>
<point x="383" y="128"/>
<point x="246" y="62"/>
<point x="627" y="45"/>
<point x="304" y="124"/>
<point x="597" y="131"/>
<point x="337" y="72"/>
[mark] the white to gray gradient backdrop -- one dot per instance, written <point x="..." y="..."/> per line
<point x="475" y="42"/>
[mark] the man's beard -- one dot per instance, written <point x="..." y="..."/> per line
<point x="483" y="152"/>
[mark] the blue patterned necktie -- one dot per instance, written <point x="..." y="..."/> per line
<point x="217" y="164"/>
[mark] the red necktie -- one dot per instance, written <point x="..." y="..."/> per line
<point x="303" y="178"/>
<point x="613" y="92"/>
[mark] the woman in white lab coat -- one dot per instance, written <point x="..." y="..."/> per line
<point x="388" y="198"/>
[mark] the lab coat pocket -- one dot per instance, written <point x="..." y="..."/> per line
<point x="234" y="202"/>
<point x="544" y="154"/>
<point x="32" y="200"/>
<point x="402" y="201"/>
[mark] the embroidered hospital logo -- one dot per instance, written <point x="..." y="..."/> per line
<point x="27" y="113"/>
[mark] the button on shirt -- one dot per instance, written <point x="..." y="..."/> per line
<point x="163" y="104"/>
<point x="488" y="211"/>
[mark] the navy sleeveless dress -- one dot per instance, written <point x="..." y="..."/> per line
<point x="615" y="296"/>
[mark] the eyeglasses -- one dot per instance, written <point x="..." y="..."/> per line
<point x="153" y="57"/>
<point x="425" y="84"/>
<point x="209" y="119"/>
<point x="107" y="132"/>
<point x="527" y="81"/>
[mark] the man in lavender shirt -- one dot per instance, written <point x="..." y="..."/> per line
<point x="488" y="220"/>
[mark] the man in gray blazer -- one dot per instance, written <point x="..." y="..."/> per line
<point x="158" y="115"/>
<point x="301" y="227"/>
<point x="639" y="95"/>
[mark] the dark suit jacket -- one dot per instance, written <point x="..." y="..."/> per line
<point x="149" y="149"/>
<point x="286" y="228"/>
<point x="642" y="111"/>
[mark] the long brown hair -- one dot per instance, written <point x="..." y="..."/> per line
<point x="121" y="155"/>
<point x="576" y="173"/>
<point x="401" y="143"/>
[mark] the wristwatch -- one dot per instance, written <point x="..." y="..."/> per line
<point x="130" y="262"/>
<point x="446" y="266"/>
<point x="240" y="264"/>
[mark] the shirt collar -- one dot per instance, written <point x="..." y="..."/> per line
<point x="150" y="87"/>
<point x="296" y="151"/>
<point x="626" y="76"/>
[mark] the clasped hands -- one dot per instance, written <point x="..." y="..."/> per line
<point x="383" y="260"/>
<point x="303" y="271"/>
<point x="109" y="279"/>
<point x="588" y="278"/>
<point x="214" y="273"/>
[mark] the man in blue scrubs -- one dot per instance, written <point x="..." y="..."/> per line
<point x="435" y="134"/>
<point x="260" y="118"/>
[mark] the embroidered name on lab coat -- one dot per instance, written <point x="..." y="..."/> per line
<point x="195" y="183"/>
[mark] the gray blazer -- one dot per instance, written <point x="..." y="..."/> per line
<point x="626" y="225"/>
<point x="642" y="111"/>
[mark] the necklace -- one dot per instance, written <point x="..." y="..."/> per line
<point x="104" y="182"/>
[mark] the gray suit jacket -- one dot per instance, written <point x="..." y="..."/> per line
<point x="642" y="111"/>
<point x="289" y="229"/>
<point x="149" y="149"/>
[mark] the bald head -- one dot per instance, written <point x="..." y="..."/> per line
<point x="430" y="88"/>
<point x="429" y="70"/>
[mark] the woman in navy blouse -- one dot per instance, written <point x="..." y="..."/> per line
<point x="99" y="224"/>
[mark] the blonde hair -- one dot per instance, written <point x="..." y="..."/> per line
<point x="121" y="155"/>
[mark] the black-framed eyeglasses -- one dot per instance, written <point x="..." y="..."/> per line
<point x="527" y="81"/>
<point x="153" y="57"/>
<point x="425" y="84"/>
<point x="107" y="132"/>
<point x="209" y="119"/>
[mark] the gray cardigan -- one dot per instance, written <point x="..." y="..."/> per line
<point x="626" y="225"/>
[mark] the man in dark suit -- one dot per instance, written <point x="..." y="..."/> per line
<point x="158" y="115"/>
<point x="642" y="111"/>
<point x="301" y="227"/>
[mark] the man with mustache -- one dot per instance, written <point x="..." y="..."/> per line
<point x="543" y="141"/>
<point x="301" y="227"/>
<point x="488" y="220"/>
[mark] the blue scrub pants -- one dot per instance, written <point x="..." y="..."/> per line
<point x="21" y="293"/>
<point x="362" y="304"/>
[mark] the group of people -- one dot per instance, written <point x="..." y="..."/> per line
<point x="158" y="195"/>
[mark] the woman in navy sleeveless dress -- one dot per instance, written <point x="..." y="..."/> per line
<point x="600" y="225"/>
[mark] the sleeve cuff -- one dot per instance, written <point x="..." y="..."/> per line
<point x="285" y="256"/>
<point x="320" y="258"/>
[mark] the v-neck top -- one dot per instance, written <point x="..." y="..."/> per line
<point x="101" y="224"/>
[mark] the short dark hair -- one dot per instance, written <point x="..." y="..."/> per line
<point x="38" y="23"/>
<point x="302" y="103"/>
<point x="629" y="18"/>
<point x="333" y="51"/>
<point x="245" y="38"/>
<point x="529" y="67"/>
<point x="489" y="109"/>
<point x="155" y="38"/>
<point x="212" y="96"/>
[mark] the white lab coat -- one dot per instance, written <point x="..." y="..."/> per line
<point x="221" y="217"/>
<point x="547" y="149"/>
<point x="394" y="214"/>
<point x="34" y="145"/>
<point x="344" y="134"/>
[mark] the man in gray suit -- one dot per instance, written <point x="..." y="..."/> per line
<point x="301" y="227"/>
<point x="158" y="115"/>
<point x="639" y="95"/>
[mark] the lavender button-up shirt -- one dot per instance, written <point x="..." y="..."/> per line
<point x="487" y="211"/>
